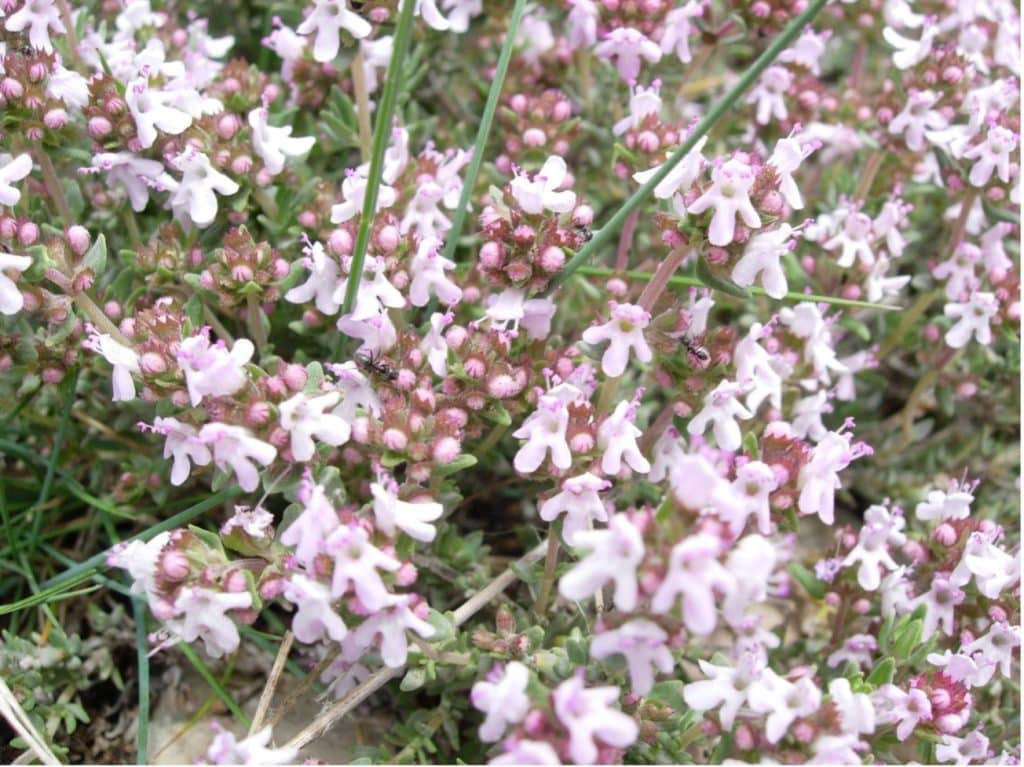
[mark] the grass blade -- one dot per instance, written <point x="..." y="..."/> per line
<point x="452" y="237"/>
<point x="142" y="655"/>
<point x="215" y="684"/>
<point x="606" y="232"/>
<point x="381" y="132"/>
<point x="599" y="271"/>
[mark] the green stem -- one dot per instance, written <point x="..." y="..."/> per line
<point x="452" y="237"/>
<point x="381" y="133"/>
<point x="599" y="271"/>
<point x="606" y="232"/>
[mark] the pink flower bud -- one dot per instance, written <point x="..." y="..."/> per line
<point x="78" y="238"/>
<point x="518" y="103"/>
<point x="552" y="259"/>
<point x="406" y="575"/>
<point x="271" y="588"/>
<point x="151" y="363"/>
<point x="55" y="119"/>
<point x="174" y="565"/>
<point x="617" y="287"/>
<point x="931" y="333"/>
<point x="583" y="215"/>
<point x="851" y="291"/>
<point x="446" y="450"/>
<point x="340" y="242"/>
<point x="648" y="141"/>
<point x="11" y="88"/>
<point x="28" y="233"/>
<point x="491" y="255"/>
<point x="228" y="125"/>
<point x="534" y="137"/>
<point x="257" y="413"/>
<point x="832" y="599"/>
<point x="388" y="238"/>
<point x="395" y="439"/>
<point x="52" y="375"/>
<point x="241" y="164"/>
<point x="294" y="376"/>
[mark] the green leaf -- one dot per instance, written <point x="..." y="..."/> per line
<point x="498" y="415"/>
<point x="882" y="673"/>
<point x="717" y="283"/>
<point x="464" y="461"/>
<point x="414" y="679"/>
<point x="751" y="446"/>
<point x="96" y="256"/>
<point x="670" y="693"/>
<point x="907" y="638"/>
<point x="808" y="580"/>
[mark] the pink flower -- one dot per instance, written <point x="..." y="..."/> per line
<point x="580" y="502"/>
<point x="755" y="481"/>
<point x="997" y="645"/>
<point x="678" y="28"/>
<point x="356" y="562"/>
<point x="304" y="418"/>
<point x="971" y="748"/>
<point x="327" y="20"/>
<point x="519" y="751"/>
<point x="994" y="154"/>
<point x="201" y="614"/>
<point x="140" y="559"/>
<point x="783" y="701"/>
<point x="502" y="697"/>
<point x="544" y="430"/>
<point x="627" y="46"/>
<point x="541" y="194"/>
<point x="768" y="94"/>
<point x="212" y="370"/>
<point x="910" y="53"/>
<point x="908" y="708"/>
<point x="123" y="358"/>
<point x="315" y="619"/>
<point x="391" y="624"/>
<point x="428" y="269"/>
<point x="588" y="718"/>
<point x="235" y="446"/>
<point x="644" y="645"/>
<point x="310" y="529"/>
<point x="614" y="554"/>
<point x="786" y="158"/>
<point x="880" y="530"/>
<point x="152" y="109"/>
<point x="183" y="444"/>
<point x="391" y="514"/>
<point x="819" y="477"/>
<point x="940" y="603"/>
<point x="729" y="195"/>
<point x="993" y="569"/>
<point x="624" y="331"/>
<point x="643" y="102"/>
<point x="918" y="117"/>
<point x="225" y="749"/>
<point x="695" y="575"/>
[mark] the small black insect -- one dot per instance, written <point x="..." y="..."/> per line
<point x="372" y="364"/>
<point x="585" y="232"/>
<point x="697" y="354"/>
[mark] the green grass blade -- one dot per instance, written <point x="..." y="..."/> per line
<point x="85" y="570"/>
<point x="599" y="271"/>
<point x="142" y="655"/>
<point x="69" y="385"/>
<point x="606" y="232"/>
<point x="381" y="133"/>
<point x="494" y="93"/>
<point x="215" y="684"/>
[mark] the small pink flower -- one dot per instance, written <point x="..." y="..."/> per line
<point x="624" y="332"/>
<point x="588" y="718"/>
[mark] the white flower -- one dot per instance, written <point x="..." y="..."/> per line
<point x="138" y="175"/>
<point x="768" y="94"/>
<point x="13" y="169"/>
<point x="624" y="332"/>
<point x="909" y="52"/>
<point x="973" y="317"/>
<point x="541" y="194"/>
<point x="226" y="749"/>
<point x="274" y="144"/>
<point x="304" y="417"/>
<point x="11" y="299"/>
<point x="679" y="179"/>
<point x="151" y="109"/>
<point x="322" y="284"/>
<point x="195" y="197"/>
<point x="617" y="438"/>
<point x="644" y="644"/>
<point x="40" y="16"/>
<point x="762" y="256"/>
<point x="327" y="20"/>
<point x="628" y="46"/>
<point x="994" y="154"/>
<point x="580" y="502"/>
<point x="212" y="370"/>
<point x="202" y="616"/>
<point x="502" y="697"/>
<point x="125" y="362"/>
<point x="237" y="448"/>
<point x="414" y="519"/>
<point x="787" y="156"/>
<point x="729" y="195"/>
<point x="183" y="444"/>
<point x="722" y="408"/>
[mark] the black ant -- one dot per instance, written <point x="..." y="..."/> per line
<point x="585" y="232"/>
<point x="695" y="352"/>
<point x="372" y="364"/>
